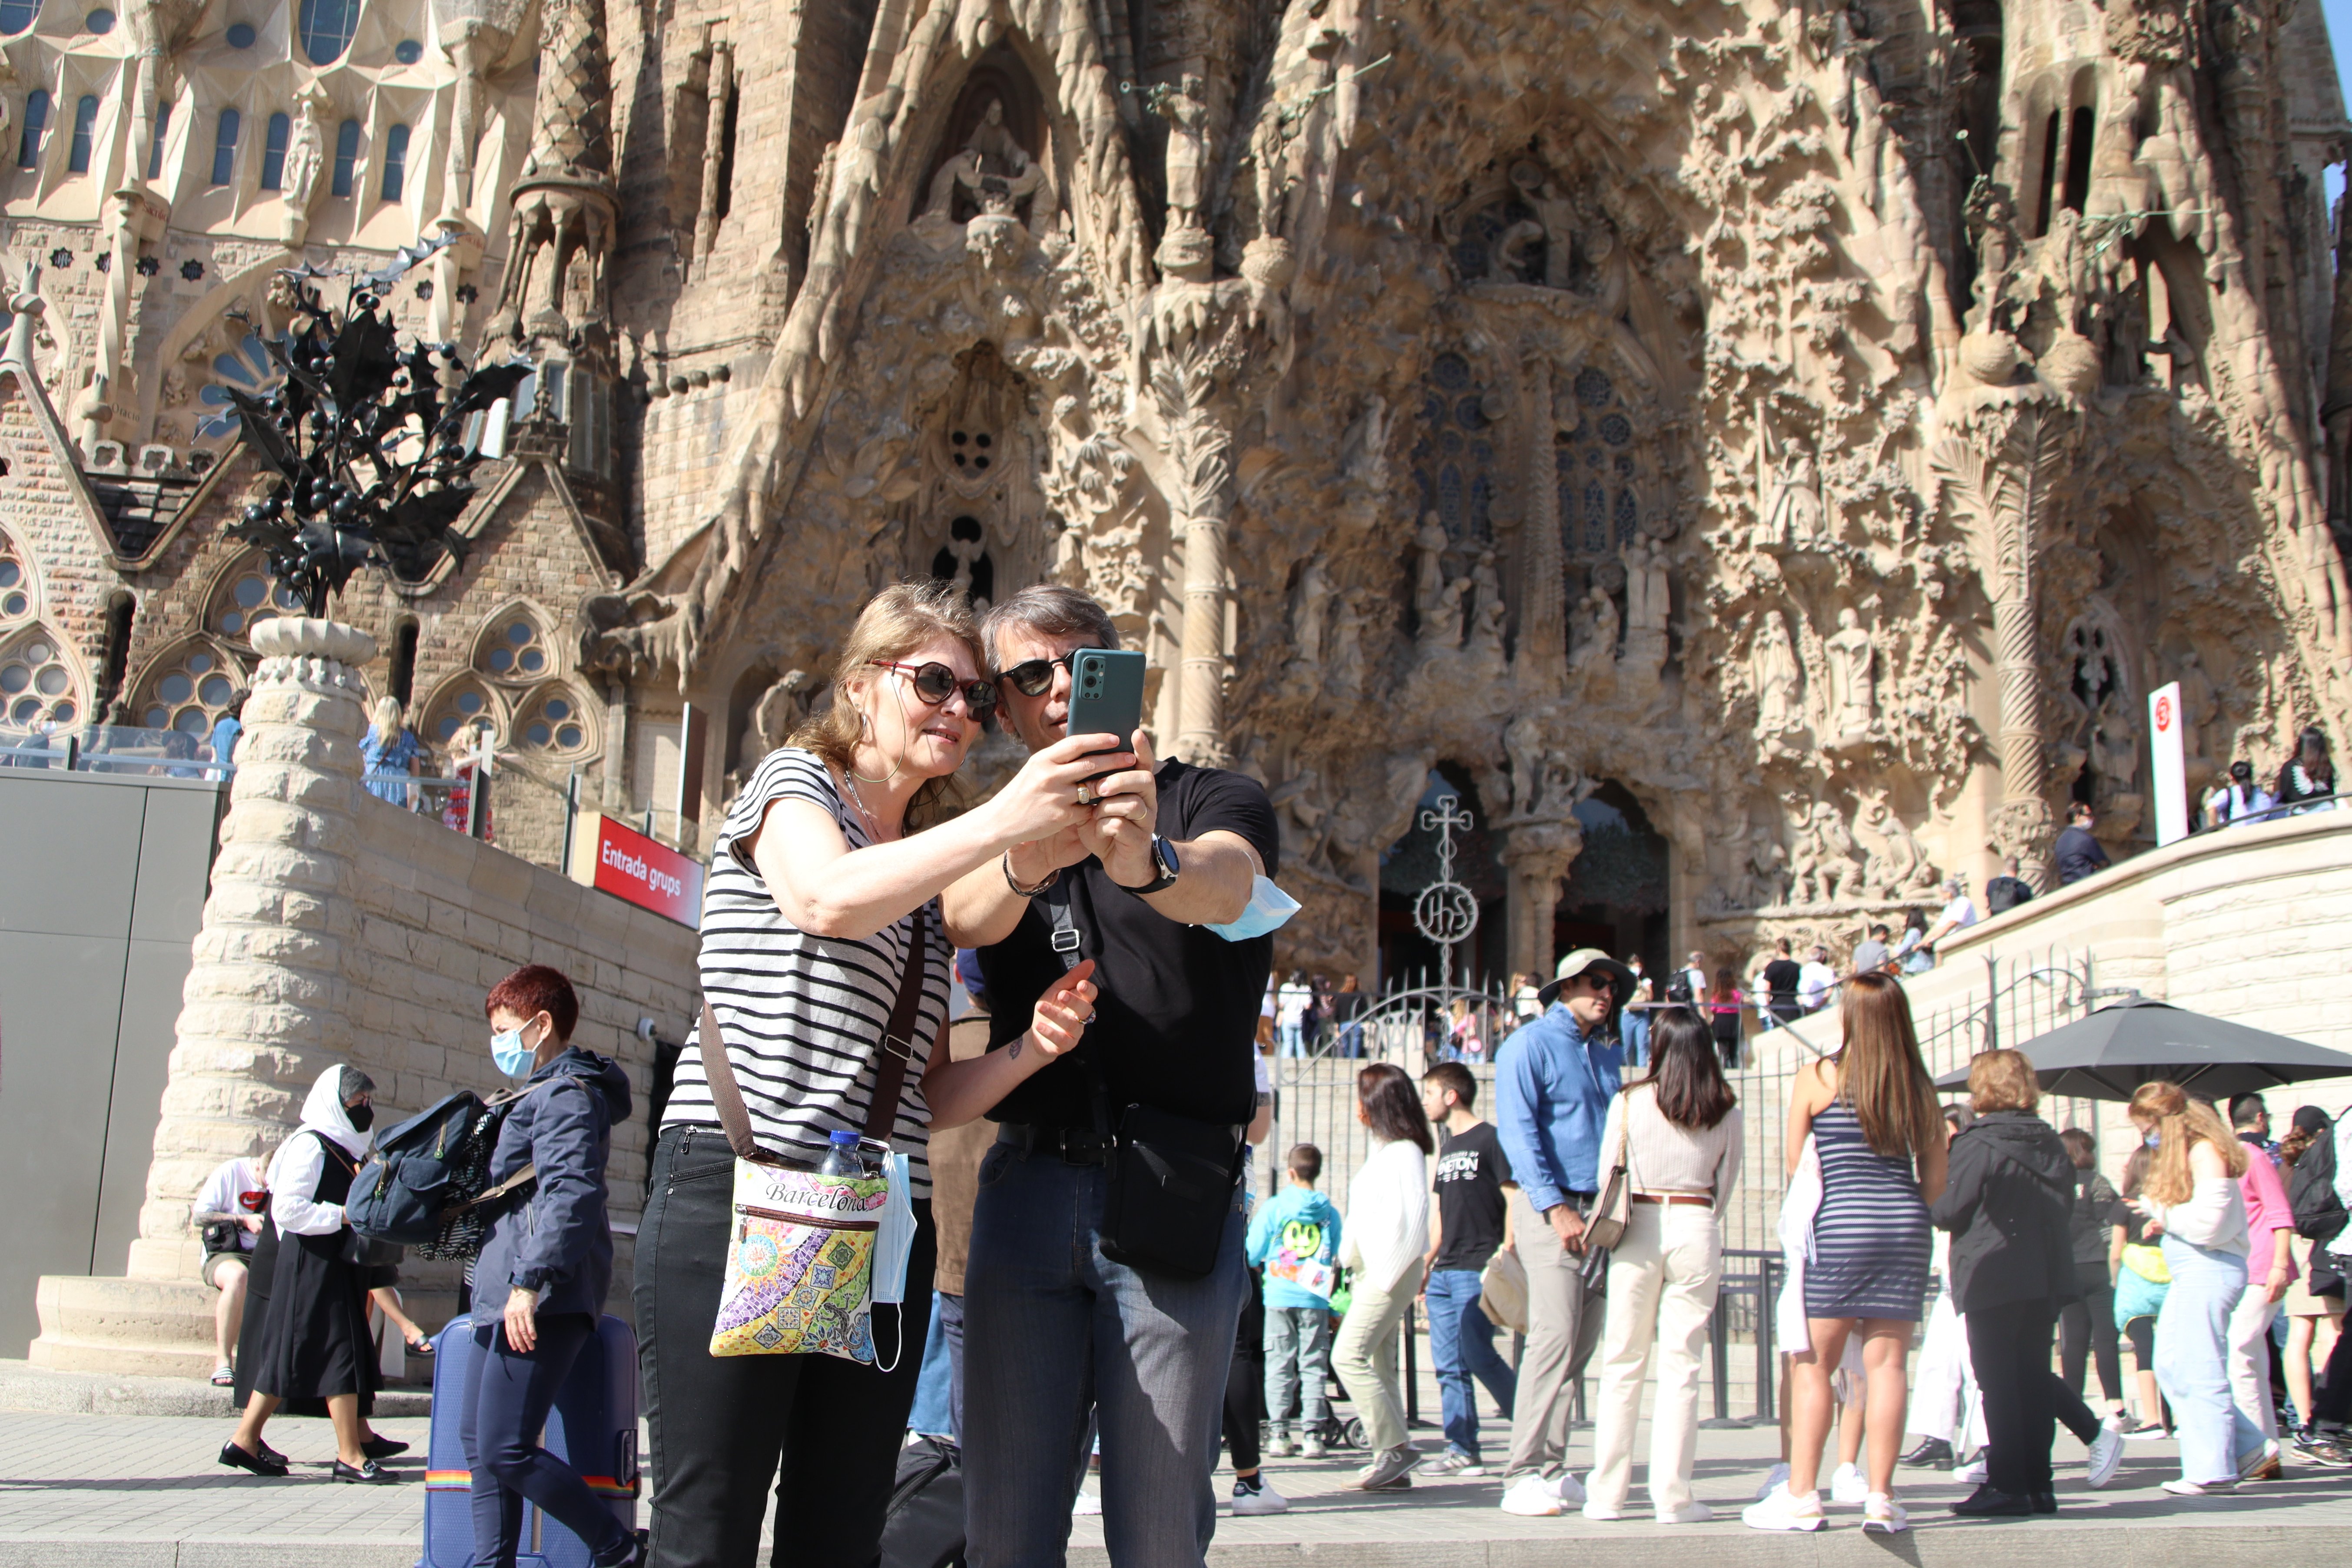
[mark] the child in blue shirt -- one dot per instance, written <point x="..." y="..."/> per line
<point x="1295" y="1236"/>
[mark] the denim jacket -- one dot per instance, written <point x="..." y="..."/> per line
<point x="1553" y="1084"/>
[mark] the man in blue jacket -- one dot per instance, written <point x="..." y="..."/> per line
<point x="1553" y="1083"/>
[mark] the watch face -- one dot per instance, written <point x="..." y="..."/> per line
<point x="1164" y="853"/>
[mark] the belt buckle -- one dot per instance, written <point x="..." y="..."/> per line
<point x="1083" y="1146"/>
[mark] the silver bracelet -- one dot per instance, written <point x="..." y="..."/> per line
<point x="1051" y="878"/>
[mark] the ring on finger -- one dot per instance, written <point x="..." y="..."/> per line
<point x="1086" y="794"/>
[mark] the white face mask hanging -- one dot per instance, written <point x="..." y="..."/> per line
<point x="1267" y="909"/>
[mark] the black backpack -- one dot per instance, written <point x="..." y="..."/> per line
<point x="2311" y="1193"/>
<point x="923" y="1526"/>
<point x="426" y="1184"/>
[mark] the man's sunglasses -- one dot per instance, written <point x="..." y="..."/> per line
<point x="935" y="683"/>
<point x="1034" y="676"/>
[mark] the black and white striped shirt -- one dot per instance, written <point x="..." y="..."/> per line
<point x="803" y="1014"/>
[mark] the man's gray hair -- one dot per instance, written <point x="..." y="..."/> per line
<point x="1051" y="610"/>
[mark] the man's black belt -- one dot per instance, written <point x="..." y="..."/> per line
<point x="1075" y="1145"/>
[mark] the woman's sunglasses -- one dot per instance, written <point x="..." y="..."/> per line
<point x="1034" y="676"/>
<point x="935" y="683"/>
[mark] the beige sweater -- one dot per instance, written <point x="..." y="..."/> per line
<point x="1661" y="1157"/>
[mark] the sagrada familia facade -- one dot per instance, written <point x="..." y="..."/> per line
<point x="1813" y="425"/>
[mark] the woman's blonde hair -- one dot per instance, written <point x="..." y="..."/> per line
<point x="1880" y="1073"/>
<point x="2180" y="1124"/>
<point x="386" y="725"/>
<point x="2002" y="1080"/>
<point x="899" y="620"/>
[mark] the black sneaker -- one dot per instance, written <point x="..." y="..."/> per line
<point x="261" y="1464"/>
<point x="629" y="1553"/>
<point x="1932" y="1454"/>
<point x="1987" y="1503"/>
<point x="368" y="1470"/>
<point x="2043" y="1502"/>
<point x="383" y="1447"/>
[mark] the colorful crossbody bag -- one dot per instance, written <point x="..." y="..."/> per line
<point x="800" y="1259"/>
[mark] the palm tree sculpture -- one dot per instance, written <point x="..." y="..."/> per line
<point x="368" y="439"/>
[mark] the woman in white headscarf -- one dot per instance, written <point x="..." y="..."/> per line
<point x="313" y="1343"/>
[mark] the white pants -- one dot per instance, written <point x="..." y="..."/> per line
<point x="1944" y="1401"/>
<point x="1662" y="1287"/>
<point x="2250" y="1360"/>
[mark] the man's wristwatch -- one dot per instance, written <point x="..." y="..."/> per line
<point x="1163" y="860"/>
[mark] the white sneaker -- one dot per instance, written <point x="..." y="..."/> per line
<point x="1773" y="1481"/>
<point x="1780" y="1510"/>
<point x="2179" y="1488"/>
<point x="1689" y="1513"/>
<point x="1531" y="1497"/>
<point x="1849" y="1486"/>
<point x="1259" y="1499"/>
<point x="1881" y="1512"/>
<point x="1973" y="1473"/>
<point x="1280" y="1447"/>
<point x="1567" y="1488"/>
<point x="1087" y="1506"/>
<point x="1312" y="1448"/>
<point x="2107" y="1455"/>
<point x="1595" y="1509"/>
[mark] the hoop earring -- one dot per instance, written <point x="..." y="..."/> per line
<point x="865" y="736"/>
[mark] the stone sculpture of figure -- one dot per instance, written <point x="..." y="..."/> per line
<point x="858" y="176"/>
<point x="2115" y="742"/>
<point x="1648" y="595"/>
<point x="1186" y="109"/>
<point x="1839" y="868"/>
<point x="1854" y="696"/>
<point x="1314" y="595"/>
<point x="1487" y="580"/>
<point x="1773" y="666"/>
<point x="1345" y="662"/>
<point x="2198" y="705"/>
<point x="1767" y="867"/>
<point x="781" y="709"/>
<point x="1898" y="867"/>
<point x="1793" y="516"/>
<point x="1441" y="627"/>
<point x="1523" y="745"/>
<point x="1597" y="650"/>
<point x="1430" y="579"/>
<point x="306" y="157"/>
<point x="1557" y="216"/>
<point x="995" y="170"/>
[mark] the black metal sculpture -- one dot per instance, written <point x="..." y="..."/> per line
<point x="368" y="439"/>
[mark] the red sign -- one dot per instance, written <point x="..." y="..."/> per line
<point x="2163" y="712"/>
<point x="625" y="863"/>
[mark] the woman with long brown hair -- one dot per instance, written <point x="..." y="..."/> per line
<point x="1382" y="1243"/>
<point x="2193" y="1195"/>
<point x="1680" y="1136"/>
<point x="1871" y="1112"/>
<point x="822" y="896"/>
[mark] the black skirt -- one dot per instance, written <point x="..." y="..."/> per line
<point x="306" y="1329"/>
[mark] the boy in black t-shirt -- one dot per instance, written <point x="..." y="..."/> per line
<point x="1469" y="1224"/>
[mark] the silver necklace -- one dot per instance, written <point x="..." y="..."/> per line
<point x="873" y="826"/>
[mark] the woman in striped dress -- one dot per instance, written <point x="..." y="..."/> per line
<point x="823" y="888"/>
<point x="1871" y="1113"/>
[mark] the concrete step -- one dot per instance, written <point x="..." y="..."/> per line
<point x="23" y="1386"/>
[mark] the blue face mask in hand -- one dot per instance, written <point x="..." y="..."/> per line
<point x="513" y="1057"/>
<point x="1269" y="908"/>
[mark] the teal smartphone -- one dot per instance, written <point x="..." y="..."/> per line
<point x="1105" y="693"/>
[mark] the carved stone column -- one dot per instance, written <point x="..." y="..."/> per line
<point x="1536" y="856"/>
<point x="264" y="1008"/>
<point x="720" y="94"/>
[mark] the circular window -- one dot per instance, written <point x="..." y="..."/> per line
<point x="16" y="597"/>
<point x="35" y="686"/>
<point x="251" y="601"/>
<point x="240" y="34"/>
<point x="98" y="21"/>
<point x="557" y="709"/>
<point x="516" y="651"/>
<point x="175" y="688"/>
<point x="408" y="51"/>
<point x="469" y="703"/>
<point x="190" y="695"/>
<point x="554" y="726"/>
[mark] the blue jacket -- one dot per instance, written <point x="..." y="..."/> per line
<point x="1553" y="1089"/>
<point x="559" y="1241"/>
<point x="1301" y="1223"/>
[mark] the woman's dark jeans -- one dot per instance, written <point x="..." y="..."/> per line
<point x="507" y="1402"/>
<point x="722" y="1428"/>
<point x="2086" y="1330"/>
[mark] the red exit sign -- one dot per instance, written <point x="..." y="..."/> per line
<point x="613" y="856"/>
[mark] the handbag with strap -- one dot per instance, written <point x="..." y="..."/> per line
<point x="800" y="1257"/>
<point x="1606" y="1228"/>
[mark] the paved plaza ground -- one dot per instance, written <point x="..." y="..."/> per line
<point x="144" y="1492"/>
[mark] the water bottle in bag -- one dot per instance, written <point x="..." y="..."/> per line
<point x="842" y="1160"/>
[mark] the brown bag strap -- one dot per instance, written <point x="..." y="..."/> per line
<point x="889" y="1073"/>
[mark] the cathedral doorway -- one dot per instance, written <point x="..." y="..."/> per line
<point x="1615" y="897"/>
<point x="1413" y="863"/>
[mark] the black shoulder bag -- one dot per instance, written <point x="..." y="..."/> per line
<point x="1171" y="1178"/>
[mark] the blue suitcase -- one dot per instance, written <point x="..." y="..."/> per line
<point x="593" y="1429"/>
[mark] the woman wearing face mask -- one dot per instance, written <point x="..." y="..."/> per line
<point x="546" y="1265"/>
<point x="823" y="890"/>
<point x="312" y="1342"/>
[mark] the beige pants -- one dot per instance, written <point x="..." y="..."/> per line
<point x="1560" y="1337"/>
<point x="2250" y="1360"/>
<point x="1662" y="1284"/>
<point x="1365" y="1357"/>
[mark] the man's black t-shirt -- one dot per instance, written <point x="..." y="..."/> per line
<point x="1781" y="977"/>
<point x="1471" y="1171"/>
<point x="1176" y="1024"/>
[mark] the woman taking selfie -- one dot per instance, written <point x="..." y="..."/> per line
<point x="1871" y="1112"/>
<point x="823" y="891"/>
<point x="1681" y="1138"/>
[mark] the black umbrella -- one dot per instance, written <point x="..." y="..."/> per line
<point x="2110" y="1054"/>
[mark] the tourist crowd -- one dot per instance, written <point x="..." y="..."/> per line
<point x="1095" y="1284"/>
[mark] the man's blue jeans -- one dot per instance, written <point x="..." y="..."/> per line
<point x="1636" y="1034"/>
<point x="1055" y="1330"/>
<point x="1462" y="1347"/>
